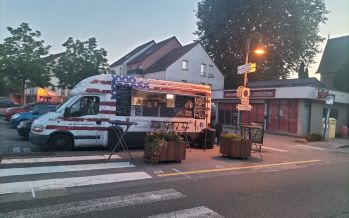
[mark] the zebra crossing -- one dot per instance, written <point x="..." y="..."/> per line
<point x="24" y="176"/>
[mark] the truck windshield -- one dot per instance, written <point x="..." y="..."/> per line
<point x="64" y="104"/>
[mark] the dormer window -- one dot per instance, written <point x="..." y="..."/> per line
<point x="185" y="65"/>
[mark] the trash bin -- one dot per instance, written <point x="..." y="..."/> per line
<point x="331" y="128"/>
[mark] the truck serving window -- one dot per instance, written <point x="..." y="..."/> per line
<point x="162" y="104"/>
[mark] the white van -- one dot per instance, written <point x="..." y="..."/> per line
<point x="82" y="120"/>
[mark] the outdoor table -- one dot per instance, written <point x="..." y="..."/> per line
<point x="174" y="125"/>
<point x="120" y="135"/>
<point x="246" y="133"/>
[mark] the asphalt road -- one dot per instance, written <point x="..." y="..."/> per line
<point x="290" y="181"/>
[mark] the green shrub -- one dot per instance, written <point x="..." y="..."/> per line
<point x="231" y="135"/>
<point x="158" y="139"/>
<point x="313" y="137"/>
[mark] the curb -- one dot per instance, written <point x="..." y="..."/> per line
<point x="343" y="146"/>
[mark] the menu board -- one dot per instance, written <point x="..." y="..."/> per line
<point x="200" y="108"/>
<point x="184" y="106"/>
<point x="123" y="100"/>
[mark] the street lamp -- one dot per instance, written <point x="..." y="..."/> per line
<point x="259" y="50"/>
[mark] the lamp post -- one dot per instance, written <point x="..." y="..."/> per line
<point x="259" y="50"/>
<point x="244" y="92"/>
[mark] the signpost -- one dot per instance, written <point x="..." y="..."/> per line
<point x="247" y="68"/>
<point x="244" y="107"/>
<point x="329" y="103"/>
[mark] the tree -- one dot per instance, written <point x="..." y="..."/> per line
<point x="289" y="30"/>
<point x="21" y="59"/>
<point x="80" y="60"/>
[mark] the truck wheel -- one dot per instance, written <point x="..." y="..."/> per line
<point x="61" y="142"/>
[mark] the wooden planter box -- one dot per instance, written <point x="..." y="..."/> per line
<point x="175" y="151"/>
<point x="235" y="148"/>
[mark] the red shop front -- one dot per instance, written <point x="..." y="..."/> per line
<point x="280" y="115"/>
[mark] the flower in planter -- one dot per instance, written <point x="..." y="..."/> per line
<point x="230" y="135"/>
<point x="156" y="141"/>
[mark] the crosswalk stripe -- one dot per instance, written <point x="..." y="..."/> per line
<point x="62" y="168"/>
<point x="189" y="213"/>
<point x="274" y="149"/>
<point x="83" y="207"/>
<point x="60" y="183"/>
<point x="56" y="159"/>
<point x="308" y="147"/>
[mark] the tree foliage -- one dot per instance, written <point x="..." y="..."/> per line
<point x="81" y="59"/>
<point x="289" y="30"/>
<point x="21" y="59"/>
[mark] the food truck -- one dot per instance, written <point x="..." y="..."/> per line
<point x="83" y="119"/>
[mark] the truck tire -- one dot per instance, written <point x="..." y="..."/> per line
<point x="61" y="142"/>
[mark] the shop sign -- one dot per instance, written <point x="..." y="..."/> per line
<point x="259" y="93"/>
<point x="322" y="93"/>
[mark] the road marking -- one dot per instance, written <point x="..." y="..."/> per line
<point x="187" y="213"/>
<point x="180" y="172"/>
<point x="274" y="149"/>
<point x="239" y="168"/>
<point x="60" y="183"/>
<point x="62" y="168"/>
<point x="309" y="147"/>
<point x="16" y="150"/>
<point x="33" y="192"/>
<point x="27" y="150"/>
<point x="101" y="204"/>
<point x="56" y="159"/>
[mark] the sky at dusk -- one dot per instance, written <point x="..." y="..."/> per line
<point x="120" y="26"/>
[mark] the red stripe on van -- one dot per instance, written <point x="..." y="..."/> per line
<point x="108" y="103"/>
<point x="76" y="128"/>
<point x="104" y="82"/>
<point x="98" y="91"/>
<point x="83" y="119"/>
<point x="106" y="112"/>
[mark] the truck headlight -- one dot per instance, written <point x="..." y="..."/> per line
<point x="38" y="128"/>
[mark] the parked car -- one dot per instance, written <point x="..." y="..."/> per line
<point x="23" y="128"/>
<point x="6" y="103"/>
<point x="9" y="112"/>
<point x="38" y="110"/>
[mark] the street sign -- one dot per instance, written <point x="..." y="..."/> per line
<point x="329" y="99"/>
<point x="244" y="107"/>
<point x="247" y="68"/>
<point x="245" y="101"/>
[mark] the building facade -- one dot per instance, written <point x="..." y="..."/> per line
<point x="294" y="106"/>
<point x="169" y="60"/>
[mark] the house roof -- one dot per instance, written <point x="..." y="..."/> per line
<point x="170" y="58"/>
<point x="52" y="57"/>
<point x="287" y="83"/>
<point x="151" y="50"/>
<point x="335" y="56"/>
<point x="130" y="54"/>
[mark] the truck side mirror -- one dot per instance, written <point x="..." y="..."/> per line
<point x="66" y="112"/>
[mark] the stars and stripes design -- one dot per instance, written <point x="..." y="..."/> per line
<point x="127" y="81"/>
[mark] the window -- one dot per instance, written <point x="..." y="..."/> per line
<point x="88" y="105"/>
<point x="185" y="65"/>
<point x="203" y="70"/>
<point x="161" y="104"/>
